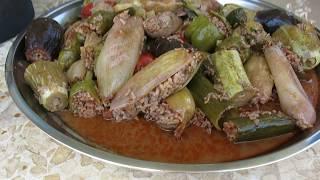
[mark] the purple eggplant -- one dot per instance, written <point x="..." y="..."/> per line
<point x="43" y="39"/>
<point x="272" y="19"/>
<point x="160" y="46"/>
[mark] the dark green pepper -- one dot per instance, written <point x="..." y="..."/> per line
<point x="203" y="34"/>
<point x="242" y="129"/>
<point x="228" y="8"/>
<point x="237" y="17"/>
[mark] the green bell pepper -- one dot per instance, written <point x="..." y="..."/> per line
<point x="203" y="34"/>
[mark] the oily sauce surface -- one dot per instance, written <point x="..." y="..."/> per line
<point x="143" y="140"/>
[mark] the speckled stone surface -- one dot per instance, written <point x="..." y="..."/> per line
<point x="28" y="153"/>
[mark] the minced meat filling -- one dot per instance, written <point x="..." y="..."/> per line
<point x="95" y="24"/>
<point x="231" y="130"/>
<point x="199" y="119"/>
<point x="87" y="54"/>
<point x="85" y="105"/>
<point x="220" y="25"/>
<point x="165" y="89"/>
<point x="163" y="115"/>
<point x="293" y="59"/>
<point x="88" y="50"/>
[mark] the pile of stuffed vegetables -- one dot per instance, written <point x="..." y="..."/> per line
<point x="177" y="64"/>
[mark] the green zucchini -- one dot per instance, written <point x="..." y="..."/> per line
<point x="242" y="129"/>
<point x="214" y="108"/>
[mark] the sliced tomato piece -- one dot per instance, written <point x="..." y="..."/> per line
<point x="86" y="10"/>
<point x="144" y="60"/>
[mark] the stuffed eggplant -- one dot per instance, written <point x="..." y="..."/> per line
<point x="43" y="39"/>
<point x="176" y="64"/>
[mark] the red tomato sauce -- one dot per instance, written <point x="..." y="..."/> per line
<point x="144" y="140"/>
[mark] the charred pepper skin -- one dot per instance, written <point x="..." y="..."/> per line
<point x="49" y="84"/>
<point x="203" y="34"/>
<point x="43" y="39"/>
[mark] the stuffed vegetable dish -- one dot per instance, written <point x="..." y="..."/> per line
<point x="183" y="81"/>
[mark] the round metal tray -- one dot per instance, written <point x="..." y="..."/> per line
<point x="54" y="126"/>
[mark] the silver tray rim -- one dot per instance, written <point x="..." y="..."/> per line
<point x="124" y="161"/>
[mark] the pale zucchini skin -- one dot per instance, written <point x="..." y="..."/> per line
<point x="231" y="74"/>
<point x="119" y="55"/>
<point x="49" y="84"/>
<point x="230" y="71"/>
